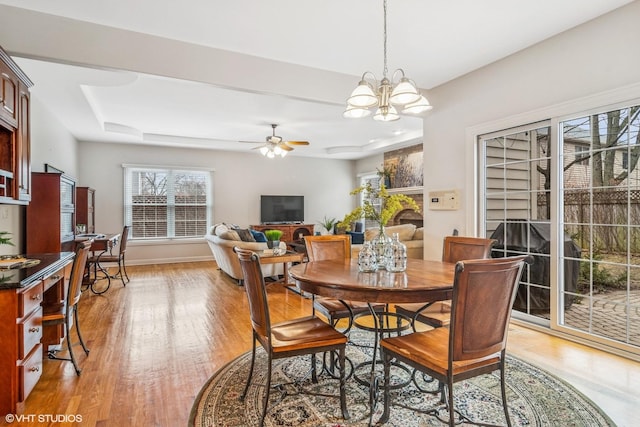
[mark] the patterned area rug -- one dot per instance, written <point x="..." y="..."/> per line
<point x="536" y="398"/>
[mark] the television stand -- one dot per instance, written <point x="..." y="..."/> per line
<point x="290" y="232"/>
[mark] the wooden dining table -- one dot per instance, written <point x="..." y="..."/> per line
<point x="423" y="281"/>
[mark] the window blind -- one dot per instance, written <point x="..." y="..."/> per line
<point x="167" y="202"/>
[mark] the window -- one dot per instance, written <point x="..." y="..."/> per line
<point x="167" y="203"/>
<point x="374" y="180"/>
<point x="582" y="155"/>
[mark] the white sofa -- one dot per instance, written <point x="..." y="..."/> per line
<point x="222" y="243"/>
<point x="408" y="234"/>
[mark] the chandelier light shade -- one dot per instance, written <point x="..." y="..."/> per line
<point x="386" y="95"/>
<point x="272" y="150"/>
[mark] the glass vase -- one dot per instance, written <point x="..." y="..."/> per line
<point x="367" y="259"/>
<point x="379" y="244"/>
<point x="396" y="255"/>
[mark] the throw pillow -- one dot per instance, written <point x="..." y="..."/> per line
<point x="245" y="235"/>
<point x="419" y="234"/>
<point x="221" y="229"/>
<point x="405" y="231"/>
<point x="258" y="236"/>
<point x="230" y="235"/>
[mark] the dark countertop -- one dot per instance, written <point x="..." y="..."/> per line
<point x="16" y="278"/>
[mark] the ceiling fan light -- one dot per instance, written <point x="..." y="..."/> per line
<point x="283" y="153"/>
<point x="420" y="106"/>
<point x="277" y="150"/>
<point x="270" y="154"/>
<point x="264" y="150"/>
<point x="353" y="112"/>
<point x="386" y="114"/>
<point x="404" y="93"/>
<point x="363" y="96"/>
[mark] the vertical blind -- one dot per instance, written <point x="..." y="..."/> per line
<point x="166" y="202"/>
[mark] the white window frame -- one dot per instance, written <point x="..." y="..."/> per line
<point x="605" y="101"/>
<point x="128" y="169"/>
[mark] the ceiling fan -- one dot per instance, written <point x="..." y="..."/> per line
<point x="276" y="145"/>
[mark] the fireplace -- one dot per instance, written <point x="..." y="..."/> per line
<point x="409" y="216"/>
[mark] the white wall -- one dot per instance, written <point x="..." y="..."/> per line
<point x="239" y="180"/>
<point x="50" y="143"/>
<point x="598" y="56"/>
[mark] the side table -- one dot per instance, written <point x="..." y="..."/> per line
<point x="285" y="259"/>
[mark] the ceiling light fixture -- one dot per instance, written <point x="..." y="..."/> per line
<point x="271" y="150"/>
<point x="386" y="94"/>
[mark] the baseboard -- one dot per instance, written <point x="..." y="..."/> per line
<point x="165" y="260"/>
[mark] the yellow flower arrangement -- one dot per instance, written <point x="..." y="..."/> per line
<point x="378" y="205"/>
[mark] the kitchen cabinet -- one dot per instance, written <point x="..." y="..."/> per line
<point x="25" y="294"/>
<point x="15" y="141"/>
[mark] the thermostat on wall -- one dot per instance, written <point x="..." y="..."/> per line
<point x="445" y="200"/>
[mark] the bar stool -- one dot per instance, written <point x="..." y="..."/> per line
<point x="69" y="311"/>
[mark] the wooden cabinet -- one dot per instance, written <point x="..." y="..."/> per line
<point x="21" y="331"/>
<point x="290" y="232"/>
<point x="15" y="143"/>
<point x="51" y="213"/>
<point x="85" y="208"/>
<point x="8" y="94"/>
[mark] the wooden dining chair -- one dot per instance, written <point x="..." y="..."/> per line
<point x="329" y="247"/>
<point x="308" y="335"/>
<point x="454" y="249"/>
<point x="69" y="311"/>
<point x="475" y="342"/>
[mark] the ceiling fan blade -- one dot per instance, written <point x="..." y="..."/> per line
<point x="252" y="142"/>
<point x="285" y="147"/>
<point x="257" y="148"/>
<point x="297" y="142"/>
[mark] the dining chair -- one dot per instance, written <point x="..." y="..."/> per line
<point x="475" y="342"/>
<point x="115" y="258"/>
<point x="69" y="310"/>
<point x="338" y="247"/>
<point x="302" y="336"/>
<point x="455" y="248"/>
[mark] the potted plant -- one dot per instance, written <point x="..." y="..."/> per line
<point x="273" y="238"/>
<point x="386" y="173"/>
<point x="328" y="224"/>
<point x="5" y="239"/>
<point x="378" y="205"/>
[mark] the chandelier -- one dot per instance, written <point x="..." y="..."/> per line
<point x="386" y="95"/>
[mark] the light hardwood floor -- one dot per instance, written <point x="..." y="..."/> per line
<point x="157" y="341"/>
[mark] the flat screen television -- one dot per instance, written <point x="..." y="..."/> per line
<point x="281" y="209"/>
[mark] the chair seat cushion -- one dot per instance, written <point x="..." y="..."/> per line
<point x="335" y="308"/>
<point x="438" y="314"/>
<point x="307" y="332"/>
<point x="104" y="258"/>
<point x="430" y="349"/>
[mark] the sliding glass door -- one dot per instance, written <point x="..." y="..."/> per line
<point x="567" y="191"/>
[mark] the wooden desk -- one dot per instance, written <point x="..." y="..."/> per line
<point x="25" y="294"/>
<point x="102" y="243"/>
